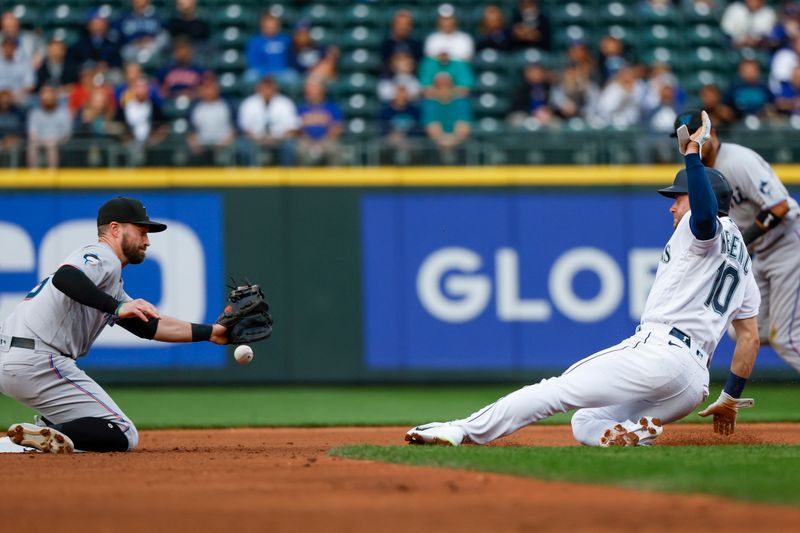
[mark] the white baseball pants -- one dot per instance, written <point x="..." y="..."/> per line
<point x="649" y="374"/>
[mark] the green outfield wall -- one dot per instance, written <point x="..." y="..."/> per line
<point x="307" y="236"/>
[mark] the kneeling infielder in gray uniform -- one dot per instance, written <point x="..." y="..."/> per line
<point x="59" y="320"/>
<point x="769" y="220"/>
<point x="704" y="283"/>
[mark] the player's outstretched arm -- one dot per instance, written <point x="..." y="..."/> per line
<point x="744" y="357"/>
<point x="702" y="200"/>
<point x="173" y="330"/>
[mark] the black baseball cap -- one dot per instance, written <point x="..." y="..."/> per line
<point x="691" y="119"/>
<point x="127" y="210"/>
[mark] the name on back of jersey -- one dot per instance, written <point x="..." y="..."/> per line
<point x="733" y="247"/>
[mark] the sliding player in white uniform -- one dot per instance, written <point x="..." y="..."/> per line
<point x="660" y="374"/>
<point x="770" y="223"/>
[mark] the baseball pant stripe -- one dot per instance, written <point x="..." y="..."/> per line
<point x="119" y="417"/>
<point x="607" y="352"/>
<point x="792" y="342"/>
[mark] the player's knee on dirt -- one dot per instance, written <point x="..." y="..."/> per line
<point x="98" y="435"/>
<point x="583" y="428"/>
<point x="133" y="437"/>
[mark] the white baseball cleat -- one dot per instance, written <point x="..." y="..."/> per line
<point x="443" y="434"/>
<point x="42" y="438"/>
<point x="641" y="434"/>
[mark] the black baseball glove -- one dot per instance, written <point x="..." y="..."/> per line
<point x="247" y="315"/>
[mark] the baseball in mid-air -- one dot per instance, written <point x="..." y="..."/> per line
<point x="243" y="354"/>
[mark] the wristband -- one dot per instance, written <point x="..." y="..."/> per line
<point x="201" y="332"/>
<point x="735" y="385"/>
<point x="116" y="311"/>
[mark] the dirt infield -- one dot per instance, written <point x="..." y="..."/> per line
<point x="283" y="480"/>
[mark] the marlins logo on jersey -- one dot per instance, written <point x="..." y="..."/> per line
<point x="91" y="259"/>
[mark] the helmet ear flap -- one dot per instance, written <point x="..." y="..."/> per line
<point x="722" y="190"/>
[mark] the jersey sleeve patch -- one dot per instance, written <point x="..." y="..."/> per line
<point x="91" y="259"/>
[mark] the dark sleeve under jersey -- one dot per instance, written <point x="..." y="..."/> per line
<point x="140" y="328"/>
<point x="75" y="284"/>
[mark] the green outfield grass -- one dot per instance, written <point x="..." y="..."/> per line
<point x="339" y="406"/>
<point x="755" y="473"/>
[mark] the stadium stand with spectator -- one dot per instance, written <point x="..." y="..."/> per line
<point x="49" y="127"/>
<point x="269" y="123"/>
<point x="580" y="43"/>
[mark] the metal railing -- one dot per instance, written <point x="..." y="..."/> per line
<point x="484" y="148"/>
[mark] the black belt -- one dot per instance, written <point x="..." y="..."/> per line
<point x="22" y="342"/>
<point x="681" y="336"/>
<point x="28" y="344"/>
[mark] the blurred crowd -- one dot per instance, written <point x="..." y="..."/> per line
<point x="93" y="87"/>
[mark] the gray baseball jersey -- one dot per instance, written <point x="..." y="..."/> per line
<point x="776" y="261"/>
<point x="755" y="187"/>
<point x="49" y="315"/>
<point x="44" y="380"/>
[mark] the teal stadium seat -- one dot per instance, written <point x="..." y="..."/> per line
<point x="361" y="105"/>
<point x="27" y="13"/>
<point x="322" y="14"/>
<point x="229" y="60"/>
<point x="175" y="108"/>
<point x="493" y="82"/>
<point x="235" y="14"/>
<point x="489" y="127"/>
<point x="660" y="54"/>
<point x="235" y="86"/>
<point x="359" y="82"/>
<point x="67" y="35"/>
<point x="517" y="60"/>
<point x="704" y="34"/>
<point x="627" y="34"/>
<point x="360" y="60"/>
<point x="109" y="10"/>
<point x="365" y="15"/>
<point x="705" y="58"/>
<point x="288" y="13"/>
<point x="490" y="105"/>
<point x="616" y="13"/>
<point x="569" y="13"/>
<point x="230" y="37"/>
<point x="489" y="59"/>
<point x="361" y="37"/>
<point x="762" y="56"/>
<point x="573" y="32"/>
<point x="700" y="12"/>
<point x="693" y="81"/>
<point x="64" y="15"/>
<point x="656" y="35"/>
<point x="326" y="35"/>
<point x="667" y="15"/>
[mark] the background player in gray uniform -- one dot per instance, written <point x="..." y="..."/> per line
<point x="59" y="320"/>
<point x="703" y="284"/>
<point x="769" y="220"/>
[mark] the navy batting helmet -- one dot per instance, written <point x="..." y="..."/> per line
<point x="719" y="184"/>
